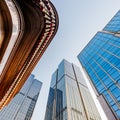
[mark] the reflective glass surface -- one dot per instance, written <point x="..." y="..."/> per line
<point x="22" y="105"/>
<point x="114" y="24"/>
<point x="64" y="101"/>
<point x="50" y="104"/>
<point x="60" y="99"/>
<point x="101" y="60"/>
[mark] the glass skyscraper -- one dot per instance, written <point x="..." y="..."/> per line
<point x="23" y="104"/>
<point x="101" y="62"/>
<point x="69" y="97"/>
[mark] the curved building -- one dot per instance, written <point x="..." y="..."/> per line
<point x="26" y="29"/>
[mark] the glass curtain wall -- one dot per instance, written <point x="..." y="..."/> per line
<point x="65" y="101"/>
<point x="23" y="104"/>
<point x="101" y="60"/>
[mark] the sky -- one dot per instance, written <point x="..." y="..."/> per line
<point x="79" y="21"/>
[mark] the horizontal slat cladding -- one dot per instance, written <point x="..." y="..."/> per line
<point x="46" y="34"/>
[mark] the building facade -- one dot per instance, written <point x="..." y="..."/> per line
<point x="27" y="27"/>
<point x="22" y="105"/>
<point x="69" y="97"/>
<point x="101" y="61"/>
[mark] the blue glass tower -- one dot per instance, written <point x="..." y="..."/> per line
<point x="101" y="62"/>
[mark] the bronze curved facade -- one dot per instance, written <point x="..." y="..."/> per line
<point x="26" y="29"/>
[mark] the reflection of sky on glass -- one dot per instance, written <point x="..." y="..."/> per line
<point x="79" y="20"/>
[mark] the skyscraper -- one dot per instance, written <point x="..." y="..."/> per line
<point x="101" y="62"/>
<point x="69" y="97"/>
<point x="22" y="105"/>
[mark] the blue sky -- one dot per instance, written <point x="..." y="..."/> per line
<point x="79" y="21"/>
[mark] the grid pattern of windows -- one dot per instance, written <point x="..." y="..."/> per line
<point x="101" y="60"/>
<point x="22" y="105"/>
<point x="114" y="24"/>
<point x="64" y="101"/>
